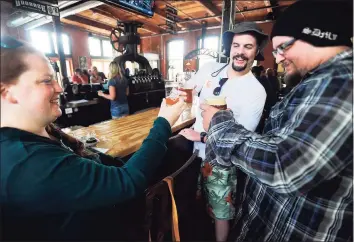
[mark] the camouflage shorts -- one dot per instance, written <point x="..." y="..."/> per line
<point x="218" y="185"/>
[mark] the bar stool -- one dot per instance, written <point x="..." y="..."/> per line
<point x="158" y="220"/>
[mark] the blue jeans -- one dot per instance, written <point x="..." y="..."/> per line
<point x="119" y="111"/>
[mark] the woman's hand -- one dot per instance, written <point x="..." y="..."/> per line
<point x="172" y="113"/>
<point x="100" y="93"/>
<point x="190" y="134"/>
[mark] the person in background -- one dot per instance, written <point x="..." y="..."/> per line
<point x="96" y="76"/>
<point x="300" y="185"/>
<point x="273" y="80"/>
<point x="127" y="72"/>
<point x="271" y="95"/>
<point x="50" y="189"/>
<point x="118" y="92"/>
<point x="86" y="73"/>
<point x="263" y="73"/>
<point x="79" y="77"/>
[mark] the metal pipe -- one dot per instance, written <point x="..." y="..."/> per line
<point x="226" y="17"/>
<point x="232" y="14"/>
<point x="57" y="31"/>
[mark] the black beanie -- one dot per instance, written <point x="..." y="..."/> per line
<point x="319" y="23"/>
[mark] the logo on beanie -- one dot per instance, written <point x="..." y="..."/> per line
<point x="319" y="33"/>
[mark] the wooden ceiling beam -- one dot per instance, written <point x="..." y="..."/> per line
<point x="89" y="22"/>
<point x="146" y="26"/>
<point x="181" y="26"/>
<point x="87" y="28"/>
<point x="211" y="8"/>
<point x="276" y="11"/>
<point x="112" y="14"/>
<point x="239" y="10"/>
<point x="267" y="3"/>
<point x="173" y="4"/>
<point x="162" y="15"/>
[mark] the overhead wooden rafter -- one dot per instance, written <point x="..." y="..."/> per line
<point x="211" y="8"/>
<point x="239" y="10"/>
<point x="88" y="22"/>
<point x="174" y="5"/>
<point x="84" y="27"/>
<point x="108" y="13"/>
<point x="161" y="13"/>
<point x="267" y="3"/>
<point x="275" y="11"/>
<point x="191" y="14"/>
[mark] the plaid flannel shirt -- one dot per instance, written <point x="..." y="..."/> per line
<point x="299" y="184"/>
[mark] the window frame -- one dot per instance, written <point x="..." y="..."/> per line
<point x="101" y="39"/>
<point x="51" y="43"/>
<point x="199" y="39"/>
<point x="70" y="45"/>
<point x="167" y="54"/>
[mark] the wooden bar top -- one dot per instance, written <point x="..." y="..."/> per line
<point x="124" y="136"/>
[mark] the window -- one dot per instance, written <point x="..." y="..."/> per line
<point x="153" y="64"/>
<point x="65" y="41"/>
<point x="95" y="46"/>
<point x="107" y="48"/>
<point x="133" y="67"/>
<point x="68" y="67"/>
<point x="100" y="48"/>
<point x="102" y="65"/>
<point x="175" y="52"/>
<point x="68" y="63"/>
<point x="41" y="41"/>
<point x="211" y="43"/>
<point x="47" y="43"/>
<point x="154" y="59"/>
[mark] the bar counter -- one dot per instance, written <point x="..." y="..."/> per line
<point x="124" y="136"/>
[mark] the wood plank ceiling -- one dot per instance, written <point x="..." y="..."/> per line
<point x="191" y="14"/>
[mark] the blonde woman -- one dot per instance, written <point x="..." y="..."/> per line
<point x="118" y="92"/>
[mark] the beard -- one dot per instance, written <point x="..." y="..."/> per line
<point x="293" y="78"/>
<point x="239" y="68"/>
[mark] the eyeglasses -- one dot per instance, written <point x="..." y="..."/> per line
<point x="280" y="50"/>
<point x="8" y="42"/>
<point x="217" y="90"/>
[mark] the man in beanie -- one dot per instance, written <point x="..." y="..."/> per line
<point x="245" y="96"/>
<point x="300" y="184"/>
